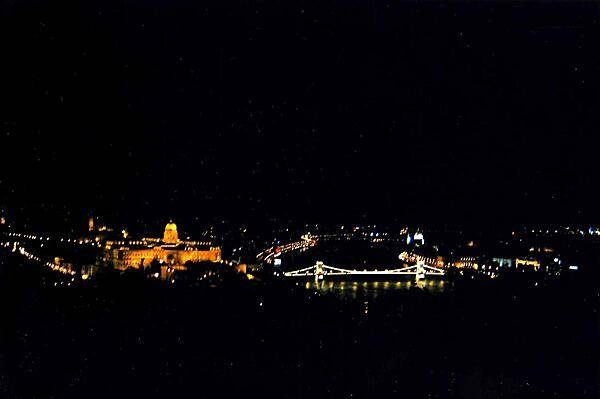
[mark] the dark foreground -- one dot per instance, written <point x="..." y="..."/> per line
<point x="125" y="339"/>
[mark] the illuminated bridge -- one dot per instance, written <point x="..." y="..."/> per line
<point x="320" y="270"/>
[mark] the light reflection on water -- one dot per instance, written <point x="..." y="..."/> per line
<point x="371" y="289"/>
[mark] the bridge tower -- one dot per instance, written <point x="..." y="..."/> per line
<point x="318" y="271"/>
<point x="420" y="270"/>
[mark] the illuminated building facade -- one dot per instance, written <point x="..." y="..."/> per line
<point x="469" y="262"/>
<point x="169" y="251"/>
<point x="528" y="262"/>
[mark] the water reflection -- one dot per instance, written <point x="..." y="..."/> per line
<point x="372" y="289"/>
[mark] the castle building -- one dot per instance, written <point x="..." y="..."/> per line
<point x="169" y="251"/>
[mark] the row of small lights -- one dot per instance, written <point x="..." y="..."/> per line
<point x="36" y="258"/>
<point x="303" y="244"/>
<point x="296" y="245"/>
<point x="93" y="242"/>
<point x="86" y="241"/>
<point x="556" y="231"/>
<point x="147" y="242"/>
<point x="350" y="235"/>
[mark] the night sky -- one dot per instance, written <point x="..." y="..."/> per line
<point x="332" y="111"/>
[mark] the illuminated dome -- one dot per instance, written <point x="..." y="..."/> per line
<point x="171" y="227"/>
<point x="170" y="236"/>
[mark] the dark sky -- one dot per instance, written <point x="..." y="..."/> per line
<point x="310" y="110"/>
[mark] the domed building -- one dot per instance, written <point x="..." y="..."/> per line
<point x="170" y="236"/>
<point x="169" y="251"/>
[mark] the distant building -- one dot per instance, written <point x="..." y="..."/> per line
<point x="171" y="252"/>
<point x="470" y="262"/>
<point x="417" y="239"/>
<point x="61" y="265"/>
<point x="528" y="262"/>
<point x="504" y="262"/>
